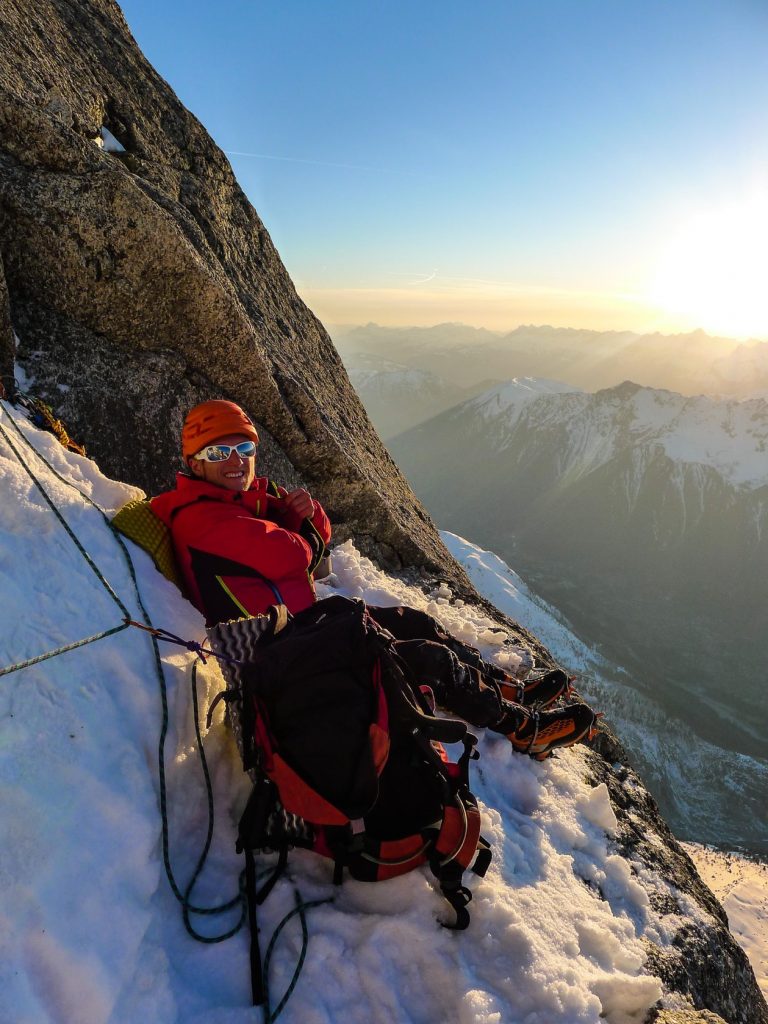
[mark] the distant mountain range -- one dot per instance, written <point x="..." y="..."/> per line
<point x="405" y="375"/>
<point x="641" y="514"/>
<point x="397" y="396"/>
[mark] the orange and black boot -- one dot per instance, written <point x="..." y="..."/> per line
<point x="540" y="692"/>
<point x="538" y="733"/>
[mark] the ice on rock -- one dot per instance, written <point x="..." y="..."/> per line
<point x="108" y="142"/>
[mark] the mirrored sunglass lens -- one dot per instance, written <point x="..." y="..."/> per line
<point x="221" y="452"/>
<point x="217" y="452"/>
<point x="246" y="449"/>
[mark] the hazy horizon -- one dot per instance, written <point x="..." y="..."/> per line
<point x="429" y="310"/>
<point x="332" y="326"/>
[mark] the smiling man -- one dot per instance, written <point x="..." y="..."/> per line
<point x="242" y="542"/>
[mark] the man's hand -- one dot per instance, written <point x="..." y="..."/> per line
<point x="300" y="502"/>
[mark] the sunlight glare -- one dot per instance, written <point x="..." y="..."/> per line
<point x="713" y="272"/>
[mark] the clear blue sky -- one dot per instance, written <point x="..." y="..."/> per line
<point x="488" y="160"/>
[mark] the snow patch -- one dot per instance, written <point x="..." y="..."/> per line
<point x="108" y="142"/>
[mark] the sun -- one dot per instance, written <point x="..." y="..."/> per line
<point x="713" y="271"/>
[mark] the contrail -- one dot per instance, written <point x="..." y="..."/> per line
<point x="421" y="277"/>
<point x="320" y="163"/>
<point x="424" y="280"/>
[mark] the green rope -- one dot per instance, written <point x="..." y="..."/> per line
<point x="62" y="650"/>
<point x="184" y="898"/>
<point x="300" y="908"/>
<point x="59" y="516"/>
<point x="187" y="906"/>
<point x="99" y="575"/>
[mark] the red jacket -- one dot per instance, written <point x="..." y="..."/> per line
<point x="240" y="552"/>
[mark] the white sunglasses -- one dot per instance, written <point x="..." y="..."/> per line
<point x="221" y="452"/>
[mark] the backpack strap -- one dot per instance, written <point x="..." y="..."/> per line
<point x="459" y="846"/>
<point x="258" y="992"/>
<point x="251" y="834"/>
<point x="458" y="896"/>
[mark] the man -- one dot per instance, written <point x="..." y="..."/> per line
<point x="243" y="543"/>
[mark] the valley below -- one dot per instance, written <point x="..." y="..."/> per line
<point x="640" y="515"/>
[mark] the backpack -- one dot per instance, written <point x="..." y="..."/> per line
<point x="345" y="753"/>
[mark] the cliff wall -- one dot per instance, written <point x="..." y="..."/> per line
<point x="142" y="280"/>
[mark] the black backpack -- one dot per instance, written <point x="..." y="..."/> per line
<point x="346" y="754"/>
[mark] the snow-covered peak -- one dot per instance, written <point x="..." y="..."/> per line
<point x="727" y="435"/>
<point x="514" y="394"/>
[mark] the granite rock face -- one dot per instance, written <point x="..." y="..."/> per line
<point x="686" y="1017"/>
<point x="6" y="335"/>
<point x="141" y="281"/>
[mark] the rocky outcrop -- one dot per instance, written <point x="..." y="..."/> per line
<point x="6" y="335"/>
<point x="141" y="280"/>
<point x="698" y="959"/>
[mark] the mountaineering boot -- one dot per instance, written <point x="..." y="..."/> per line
<point x="541" y="732"/>
<point x="541" y="692"/>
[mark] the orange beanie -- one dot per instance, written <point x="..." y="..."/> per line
<point x="210" y="421"/>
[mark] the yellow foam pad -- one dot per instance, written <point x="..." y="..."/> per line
<point x="138" y="522"/>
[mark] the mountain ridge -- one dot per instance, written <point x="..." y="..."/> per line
<point x="653" y="544"/>
<point x="689" y="362"/>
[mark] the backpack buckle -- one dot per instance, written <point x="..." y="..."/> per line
<point x="357" y="841"/>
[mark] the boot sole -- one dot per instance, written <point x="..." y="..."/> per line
<point x="544" y="754"/>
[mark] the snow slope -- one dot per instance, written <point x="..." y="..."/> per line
<point x="713" y="791"/>
<point x="89" y="930"/>
<point x="740" y="883"/>
<point x="512" y="396"/>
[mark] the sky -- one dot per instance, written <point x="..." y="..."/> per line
<point x="596" y="164"/>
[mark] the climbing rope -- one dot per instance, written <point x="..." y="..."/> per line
<point x="61" y="650"/>
<point x="94" y="568"/>
<point x="184" y="898"/>
<point x="271" y="1015"/>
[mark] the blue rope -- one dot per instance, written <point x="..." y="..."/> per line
<point x="183" y="898"/>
